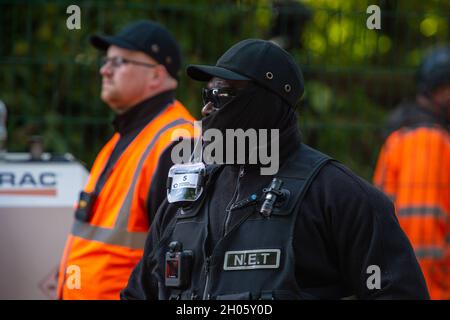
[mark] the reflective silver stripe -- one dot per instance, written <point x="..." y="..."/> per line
<point x="124" y="212"/>
<point x="133" y="240"/>
<point x="430" y="252"/>
<point x="422" y="211"/>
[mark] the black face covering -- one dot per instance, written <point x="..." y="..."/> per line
<point x="257" y="108"/>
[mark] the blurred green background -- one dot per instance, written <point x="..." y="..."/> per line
<point x="50" y="83"/>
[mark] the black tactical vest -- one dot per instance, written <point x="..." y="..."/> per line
<point x="255" y="259"/>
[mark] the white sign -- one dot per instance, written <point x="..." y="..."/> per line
<point x="41" y="184"/>
<point x="36" y="212"/>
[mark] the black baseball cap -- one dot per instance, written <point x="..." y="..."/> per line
<point x="261" y="61"/>
<point x="434" y="71"/>
<point x="149" y="37"/>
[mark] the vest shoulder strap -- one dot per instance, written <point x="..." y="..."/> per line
<point x="305" y="159"/>
<point x="297" y="175"/>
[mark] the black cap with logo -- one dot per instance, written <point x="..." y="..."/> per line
<point x="261" y="61"/>
<point x="148" y="37"/>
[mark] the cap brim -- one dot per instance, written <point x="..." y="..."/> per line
<point x="103" y="42"/>
<point x="206" y="73"/>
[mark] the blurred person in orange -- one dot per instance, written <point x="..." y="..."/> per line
<point x="414" y="169"/>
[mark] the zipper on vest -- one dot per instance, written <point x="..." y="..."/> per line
<point x="235" y="196"/>
<point x="205" y="292"/>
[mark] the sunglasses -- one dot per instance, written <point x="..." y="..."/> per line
<point x="218" y="96"/>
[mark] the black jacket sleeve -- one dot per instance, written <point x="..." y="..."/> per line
<point x="359" y="241"/>
<point x="142" y="285"/>
<point x="157" y="190"/>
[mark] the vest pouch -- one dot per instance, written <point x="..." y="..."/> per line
<point x="85" y="206"/>
<point x="267" y="295"/>
<point x="184" y="295"/>
<point x="235" y="296"/>
<point x="188" y="212"/>
<point x="285" y="295"/>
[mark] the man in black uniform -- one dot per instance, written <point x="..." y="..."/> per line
<point x="314" y="230"/>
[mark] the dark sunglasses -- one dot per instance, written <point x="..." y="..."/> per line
<point x="218" y="96"/>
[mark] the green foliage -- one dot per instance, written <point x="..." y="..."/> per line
<point x="49" y="75"/>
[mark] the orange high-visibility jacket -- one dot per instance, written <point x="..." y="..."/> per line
<point x="100" y="254"/>
<point x="414" y="170"/>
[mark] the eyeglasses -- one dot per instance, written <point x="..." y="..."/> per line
<point x="218" y="96"/>
<point x="117" y="62"/>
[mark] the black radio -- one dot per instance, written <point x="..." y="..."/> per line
<point x="85" y="206"/>
<point x="178" y="266"/>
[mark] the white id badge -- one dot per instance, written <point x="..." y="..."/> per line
<point x="185" y="182"/>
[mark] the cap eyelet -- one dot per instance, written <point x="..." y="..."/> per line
<point x="269" y="75"/>
<point x="168" y="60"/>
<point x="155" y="48"/>
<point x="287" y="87"/>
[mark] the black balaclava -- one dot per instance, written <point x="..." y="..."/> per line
<point x="258" y="108"/>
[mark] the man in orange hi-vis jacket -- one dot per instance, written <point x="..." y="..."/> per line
<point x="127" y="181"/>
<point x="414" y="169"/>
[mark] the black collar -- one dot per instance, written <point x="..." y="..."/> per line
<point x="411" y="114"/>
<point x="141" y="114"/>
<point x="289" y="143"/>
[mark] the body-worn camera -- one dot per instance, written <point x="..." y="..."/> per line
<point x="178" y="266"/>
<point x="85" y="206"/>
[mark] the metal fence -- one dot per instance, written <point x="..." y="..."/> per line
<point x="50" y="82"/>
